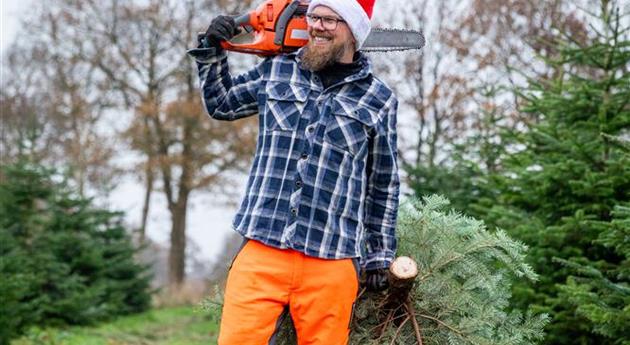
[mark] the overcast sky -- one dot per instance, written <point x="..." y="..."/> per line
<point x="11" y="11"/>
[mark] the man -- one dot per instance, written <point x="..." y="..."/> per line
<point x="322" y="194"/>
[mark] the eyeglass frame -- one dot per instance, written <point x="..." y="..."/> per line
<point x="312" y="19"/>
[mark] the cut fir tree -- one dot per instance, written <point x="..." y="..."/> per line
<point x="460" y="294"/>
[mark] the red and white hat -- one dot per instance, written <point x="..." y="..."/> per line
<point x="356" y="13"/>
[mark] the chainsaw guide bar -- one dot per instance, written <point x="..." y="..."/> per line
<point x="387" y="40"/>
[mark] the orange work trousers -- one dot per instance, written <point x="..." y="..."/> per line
<point x="266" y="283"/>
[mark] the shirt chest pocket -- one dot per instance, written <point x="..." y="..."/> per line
<point x="349" y="126"/>
<point x="284" y="105"/>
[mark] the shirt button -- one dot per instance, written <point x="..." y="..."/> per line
<point x="298" y="183"/>
<point x="304" y="155"/>
<point x="310" y="129"/>
<point x="294" y="211"/>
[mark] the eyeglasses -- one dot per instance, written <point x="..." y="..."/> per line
<point x="329" y="23"/>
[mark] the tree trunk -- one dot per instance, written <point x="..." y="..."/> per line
<point x="398" y="308"/>
<point x="402" y="274"/>
<point x="177" y="252"/>
<point x="147" y="200"/>
<point x="177" y="255"/>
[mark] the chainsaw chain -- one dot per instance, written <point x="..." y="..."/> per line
<point x="393" y="48"/>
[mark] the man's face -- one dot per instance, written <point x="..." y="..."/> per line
<point x="326" y="45"/>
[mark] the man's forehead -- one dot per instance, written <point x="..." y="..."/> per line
<point x="322" y="10"/>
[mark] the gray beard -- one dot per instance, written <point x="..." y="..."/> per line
<point x="316" y="60"/>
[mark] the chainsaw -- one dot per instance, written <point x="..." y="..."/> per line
<point x="279" y="26"/>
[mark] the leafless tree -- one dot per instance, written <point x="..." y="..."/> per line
<point x="184" y="150"/>
<point x="132" y="55"/>
<point x="54" y="109"/>
<point x="463" y="84"/>
<point x="434" y="92"/>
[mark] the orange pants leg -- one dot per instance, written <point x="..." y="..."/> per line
<point x="321" y="306"/>
<point x="256" y="294"/>
<point x="264" y="280"/>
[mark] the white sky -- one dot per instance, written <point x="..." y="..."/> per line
<point x="10" y="12"/>
<point x="208" y="223"/>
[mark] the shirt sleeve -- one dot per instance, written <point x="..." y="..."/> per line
<point x="382" y="192"/>
<point x="226" y="97"/>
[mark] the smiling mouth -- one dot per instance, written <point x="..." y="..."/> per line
<point x="321" y="40"/>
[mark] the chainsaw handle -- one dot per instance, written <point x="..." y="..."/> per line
<point x="242" y="19"/>
<point x="283" y="21"/>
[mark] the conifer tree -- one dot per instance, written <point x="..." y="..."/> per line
<point x="64" y="261"/>
<point x="602" y="295"/>
<point x="565" y="192"/>
<point x="463" y="177"/>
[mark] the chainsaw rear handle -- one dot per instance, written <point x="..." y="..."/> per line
<point x="241" y="20"/>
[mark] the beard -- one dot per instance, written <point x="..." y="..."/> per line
<point x="315" y="59"/>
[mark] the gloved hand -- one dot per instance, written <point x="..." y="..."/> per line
<point x="377" y="280"/>
<point x="222" y="28"/>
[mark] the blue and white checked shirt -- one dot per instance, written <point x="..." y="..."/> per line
<point x="324" y="180"/>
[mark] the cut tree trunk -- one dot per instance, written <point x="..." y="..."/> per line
<point x="402" y="274"/>
<point x="398" y="307"/>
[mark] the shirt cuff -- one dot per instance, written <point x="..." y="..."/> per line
<point x="378" y="260"/>
<point x="207" y="55"/>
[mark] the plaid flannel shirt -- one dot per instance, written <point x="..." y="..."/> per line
<point x="324" y="180"/>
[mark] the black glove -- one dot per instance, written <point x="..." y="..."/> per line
<point x="377" y="280"/>
<point x="222" y="28"/>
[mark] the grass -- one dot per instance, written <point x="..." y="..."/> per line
<point x="172" y="326"/>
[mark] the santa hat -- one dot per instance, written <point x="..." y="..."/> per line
<point x="356" y="13"/>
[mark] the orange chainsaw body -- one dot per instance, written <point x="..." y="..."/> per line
<point x="275" y="26"/>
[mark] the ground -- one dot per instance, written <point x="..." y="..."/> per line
<point x="171" y="326"/>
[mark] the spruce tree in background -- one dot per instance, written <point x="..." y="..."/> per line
<point x="64" y="261"/>
<point x="463" y="183"/>
<point x="566" y="192"/>
<point x="603" y="295"/>
<point x="463" y="178"/>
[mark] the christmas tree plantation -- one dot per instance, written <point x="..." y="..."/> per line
<point x="565" y="192"/>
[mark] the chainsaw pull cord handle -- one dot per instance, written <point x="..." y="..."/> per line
<point x="239" y="20"/>
<point x="244" y="20"/>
